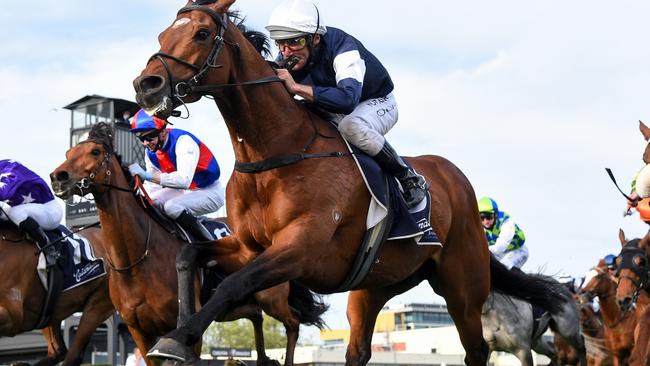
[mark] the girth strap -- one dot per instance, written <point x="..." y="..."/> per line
<point x="284" y="160"/>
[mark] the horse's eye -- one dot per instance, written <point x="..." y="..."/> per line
<point x="96" y="152"/>
<point x="202" y="34"/>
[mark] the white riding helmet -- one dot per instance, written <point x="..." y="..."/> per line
<point x="295" y="18"/>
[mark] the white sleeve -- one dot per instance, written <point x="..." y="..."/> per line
<point x="505" y="237"/>
<point x="187" y="158"/>
<point x="150" y="187"/>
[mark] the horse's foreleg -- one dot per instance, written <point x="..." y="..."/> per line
<point x="186" y="270"/>
<point x="525" y="356"/>
<point x="94" y="313"/>
<point x="56" y="349"/>
<point x="272" y="267"/>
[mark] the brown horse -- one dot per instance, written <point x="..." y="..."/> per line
<point x="633" y="290"/>
<point x="593" y="332"/>
<point x="22" y="297"/>
<point x="619" y="325"/>
<point x="305" y="219"/>
<point x="141" y="254"/>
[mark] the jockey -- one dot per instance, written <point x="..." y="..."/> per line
<point x="27" y="201"/>
<point x="610" y="261"/>
<point x="338" y="75"/>
<point x="181" y="176"/>
<point x="505" y="238"/>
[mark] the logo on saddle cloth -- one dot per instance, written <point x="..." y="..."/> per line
<point x="77" y="261"/>
<point x="413" y="223"/>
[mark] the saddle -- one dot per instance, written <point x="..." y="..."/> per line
<point x="217" y="227"/>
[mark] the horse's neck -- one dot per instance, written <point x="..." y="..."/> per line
<point x="609" y="308"/>
<point x="263" y="120"/>
<point x="125" y="226"/>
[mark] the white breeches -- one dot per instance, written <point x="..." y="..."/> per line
<point x="48" y="215"/>
<point x="514" y="258"/>
<point x="198" y="202"/>
<point x="366" y="126"/>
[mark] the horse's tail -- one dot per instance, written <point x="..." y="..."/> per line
<point x="536" y="289"/>
<point x="308" y="305"/>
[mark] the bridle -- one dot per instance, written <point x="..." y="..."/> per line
<point x="89" y="181"/>
<point x="193" y="84"/>
<point x="628" y="255"/>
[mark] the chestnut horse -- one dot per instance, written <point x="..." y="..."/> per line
<point x="593" y="333"/>
<point x="619" y="325"/>
<point x="633" y="291"/>
<point x="141" y="254"/>
<point x="22" y="297"/>
<point x="305" y="220"/>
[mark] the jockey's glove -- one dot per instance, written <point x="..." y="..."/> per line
<point x="136" y="169"/>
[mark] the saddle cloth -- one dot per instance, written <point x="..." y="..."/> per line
<point x="78" y="261"/>
<point x="408" y="223"/>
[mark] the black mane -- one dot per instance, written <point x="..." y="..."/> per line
<point x="258" y="39"/>
<point x="103" y="133"/>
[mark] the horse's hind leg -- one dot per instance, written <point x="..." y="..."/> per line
<point x="363" y="307"/>
<point x="275" y="302"/>
<point x="253" y="313"/>
<point x="463" y="275"/>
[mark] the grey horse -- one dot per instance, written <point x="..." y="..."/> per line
<point x="508" y="326"/>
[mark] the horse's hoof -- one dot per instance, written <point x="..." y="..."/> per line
<point x="171" y="349"/>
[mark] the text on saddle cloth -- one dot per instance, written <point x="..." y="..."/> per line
<point x="78" y="261"/>
<point x="413" y="223"/>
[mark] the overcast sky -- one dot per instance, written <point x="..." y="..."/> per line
<point x="532" y="100"/>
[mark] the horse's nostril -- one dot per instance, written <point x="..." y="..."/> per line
<point x="149" y="83"/>
<point x="61" y="176"/>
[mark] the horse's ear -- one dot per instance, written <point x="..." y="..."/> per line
<point x="222" y="6"/>
<point x="601" y="263"/>
<point x="621" y="237"/>
<point x="644" y="130"/>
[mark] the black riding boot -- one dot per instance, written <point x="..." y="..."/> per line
<point x="190" y="223"/>
<point x="36" y="233"/>
<point x="414" y="185"/>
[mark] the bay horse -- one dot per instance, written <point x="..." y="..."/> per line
<point x="619" y="325"/>
<point x="22" y="297"/>
<point x="304" y="219"/>
<point x="593" y="333"/>
<point x="633" y="295"/>
<point x="141" y="254"/>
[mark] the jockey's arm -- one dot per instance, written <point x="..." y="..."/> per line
<point x="187" y="159"/>
<point x="153" y="185"/>
<point x="505" y="237"/>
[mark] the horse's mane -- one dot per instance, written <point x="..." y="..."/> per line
<point x="102" y="133"/>
<point x="258" y="39"/>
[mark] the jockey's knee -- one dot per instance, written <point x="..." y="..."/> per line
<point x="173" y="209"/>
<point x="359" y="133"/>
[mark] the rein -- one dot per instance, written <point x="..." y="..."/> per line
<point x="182" y="89"/>
<point x="140" y="259"/>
